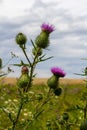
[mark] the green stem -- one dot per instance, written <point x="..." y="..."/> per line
<point x="26" y="55"/>
<point x="18" y="114"/>
<point x="38" y="110"/>
<point x="32" y="70"/>
<point x="85" y="110"/>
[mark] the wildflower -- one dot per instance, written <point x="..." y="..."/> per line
<point x="47" y="28"/>
<point x="53" y="80"/>
<point x="21" y="39"/>
<point x="58" y="72"/>
<point x="42" y="40"/>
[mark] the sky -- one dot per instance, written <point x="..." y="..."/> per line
<point x="68" y="43"/>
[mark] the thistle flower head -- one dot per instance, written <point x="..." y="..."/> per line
<point x="58" y="72"/>
<point x="47" y="28"/>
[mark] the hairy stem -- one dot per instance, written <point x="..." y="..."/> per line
<point x="85" y="110"/>
<point x="32" y="71"/>
<point x="26" y="56"/>
<point x="18" y="114"/>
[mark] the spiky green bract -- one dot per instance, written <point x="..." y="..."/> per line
<point x="0" y="63"/>
<point x="42" y="40"/>
<point x="53" y="82"/>
<point x="84" y="125"/>
<point x="23" y="81"/>
<point x="37" y="51"/>
<point x="58" y="91"/>
<point x="21" y="39"/>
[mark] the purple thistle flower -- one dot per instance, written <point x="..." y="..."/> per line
<point x="47" y="28"/>
<point x="58" y="72"/>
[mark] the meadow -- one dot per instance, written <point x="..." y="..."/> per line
<point x="51" y="117"/>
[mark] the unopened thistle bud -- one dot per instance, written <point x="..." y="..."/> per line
<point x="23" y="81"/>
<point x="24" y="78"/>
<point x="58" y="91"/>
<point x="0" y="63"/>
<point x="52" y="82"/>
<point x="65" y="116"/>
<point x="42" y="40"/>
<point x="21" y="39"/>
<point x="24" y="70"/>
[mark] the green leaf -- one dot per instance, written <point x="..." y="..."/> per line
<point x="2" y="75"/>
<point x="80" y="74"/>
<point x="21" y="64"/>
<point x="33" y="44"/>
<point x="40" y="60"/>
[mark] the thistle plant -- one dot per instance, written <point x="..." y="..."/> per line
<point x="53" y="81"/>
<point x="25" y="81"/>
<point x="3" y="74"/>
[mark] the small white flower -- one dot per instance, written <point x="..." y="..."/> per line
<point x="6" y="102"/>
<point x="15" y="100"/>
<point x="25" y="114"/>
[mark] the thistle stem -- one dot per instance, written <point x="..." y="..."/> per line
<point x="32" y="70"/>
<point x="18" y="114"/>
<point x="26" y="56"/>
<point x="85" y="110"/>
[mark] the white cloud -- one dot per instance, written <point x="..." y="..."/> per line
<point x="14" y="8"/>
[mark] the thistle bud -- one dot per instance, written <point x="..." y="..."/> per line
<point x="23" y="81"/>
<point x="42" y="40"/>
<point x="53" y="82"/>
<point x="21" y="39"/>
<point x="24" y="78"/>
<point x="65" y="116"/>
<point x="58" y="91"/>
<point x="37" y="51"/>
<point x="84" y="125"/>
<point x="24" y="70"/>
<point x="0" y="63"/>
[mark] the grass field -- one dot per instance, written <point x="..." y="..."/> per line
<point x="70" y="101"/>
<point x="44" y="80"/>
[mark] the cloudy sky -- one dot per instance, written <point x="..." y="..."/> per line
<point x="68" y="43"/>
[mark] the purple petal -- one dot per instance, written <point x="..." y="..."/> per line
<point x="48" y="28"/>
<point x="58" y="71"/>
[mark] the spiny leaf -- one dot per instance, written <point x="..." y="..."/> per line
<point x="2" y="75"/>
<point x="84" y="58"/>
<point x="33" y="44"/>
<point x="40" y="60"/>
<point x="21" y="64"/>
<point x="42" y="56"/>
<point x="80" y="74"/>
